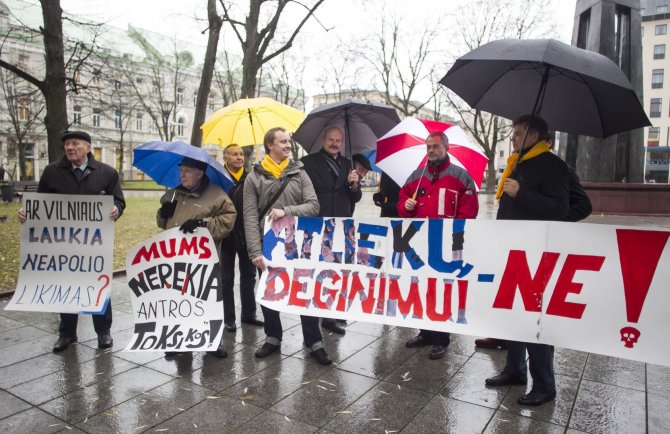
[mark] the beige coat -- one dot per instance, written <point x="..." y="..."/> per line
<point x="207" y="201"/>
<point x="297" y="199"/>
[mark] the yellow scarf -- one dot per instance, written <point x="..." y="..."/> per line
<point x="237" y="175"/>
<point x="272" y="167"/>
<point x="537" y="149"/>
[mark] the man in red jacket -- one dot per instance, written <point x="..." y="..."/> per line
<point x="439" y="190"/>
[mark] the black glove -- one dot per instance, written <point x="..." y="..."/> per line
<point x="167" y="209"/>
<point x="191" y="224"/>
<point x="379" y="198"/>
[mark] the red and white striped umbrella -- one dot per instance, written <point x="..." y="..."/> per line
<point x="403" y="149"/>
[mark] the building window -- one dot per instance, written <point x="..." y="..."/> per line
<point x="138" y="122"/>
<point x="661" y="29"/>
<point x="180" y="96"/>
<point x="662" y="9"/>
<point x="23" y="62"/>
<point x="655" y="108"/>
<point x="659" y="51"/>
<point x="77" y="115"/>
<point x="117" y="84"/>
<point x="96" y="77"/>
<point x="653" y="136"/>
<point x="656" y="78"/>
<point x="117" y="119"/>
<point x="23" y="109"/>
<point x="96" y="117"/>
<point x="180" y="126"/>
<point x="195" y="98"/>
<point x="502" y="154"/>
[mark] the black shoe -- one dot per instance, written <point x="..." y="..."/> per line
<point x="321" y="356"/>
<point x="417" y="341"/>
<point x="506" y="380"/>
<point x="220" y="352"/>
<point x="437" y="352"/>
<point x="105" y="341"/>
<point x="266" y="350"/>
<point x="253" y="321"/>
<point x="230" y="327"/>
<point x="341" y="321"/>
<point x="333" y="327"/>
<point x="491" y="343"/>
<point x="63" y="342"/>
<point x="537" y="398"/>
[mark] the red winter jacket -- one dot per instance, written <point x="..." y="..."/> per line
<point x="444" y="191"/>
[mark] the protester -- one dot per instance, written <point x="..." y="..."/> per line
<point x="580" y="208"/>
<point x="439" y="190"/>
<point x="361" y="165"/>
<point x="236" y="245"/>
<point x="278" y="187"/>
<point x="538" y="188"/>
<point x="197" y="203"/>
<point x="78" y="172"/>
<point x="386" y="196"/>
<point x="337" y="186"/>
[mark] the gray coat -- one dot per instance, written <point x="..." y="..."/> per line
<point x="297" y="199"/>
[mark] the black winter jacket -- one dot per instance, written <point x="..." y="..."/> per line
<point x="336" y="198"/>
<point x="99" y="178"/>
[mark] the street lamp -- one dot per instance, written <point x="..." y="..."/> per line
<point x="166" y="109"/>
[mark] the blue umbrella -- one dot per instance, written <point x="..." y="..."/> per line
<point x="372" y="157"/>
<point x="160" y="160"/>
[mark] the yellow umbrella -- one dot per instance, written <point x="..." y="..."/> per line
<point x="246" y="120"/>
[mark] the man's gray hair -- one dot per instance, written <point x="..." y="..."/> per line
<point x="442" y="136"/>
<point x="334" y="127"/>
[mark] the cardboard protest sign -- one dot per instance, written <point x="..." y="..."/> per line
<point x="66" y="255"/>
<point x="175" y="286"/>
<point x="595" y="288"/>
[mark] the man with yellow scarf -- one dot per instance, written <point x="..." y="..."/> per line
<point x="276" y="188"/>
<point x="536" y="188"/>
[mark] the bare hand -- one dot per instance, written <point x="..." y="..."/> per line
<point x="22" y="215"/>
<point x="410" y="204"/>
<point x="114" y="215"/>
<point x="511" y="187"/>
<point x="353" y="178"/>
<point x="259" y="263"/>
<point x="276" y="213"/>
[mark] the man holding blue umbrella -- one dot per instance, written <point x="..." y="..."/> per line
<point x="197" y="203"/>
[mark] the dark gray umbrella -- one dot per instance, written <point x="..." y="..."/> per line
<point x="362" y="122"/>
<point x="574" y="90"/>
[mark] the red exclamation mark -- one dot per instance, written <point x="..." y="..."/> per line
<point x="639" y="253"/>
<point x="462" y="301"/>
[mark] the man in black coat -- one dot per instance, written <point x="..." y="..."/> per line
<point x="235" y="245"/>
<point x="337" y="186"/>
<point x="536" y="188"/>
<point x="79" y="173"/>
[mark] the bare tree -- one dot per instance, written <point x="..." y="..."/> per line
<point x="226" y="79"/>
<point x="255" y="38"/>
<point x="214" y="30"/>
<point x="342" y="75"/>
<point x="24" y="105"/>
<point x="286" y="77"/>
<point x="485" y="21"/>
<point x="401" y="60"/>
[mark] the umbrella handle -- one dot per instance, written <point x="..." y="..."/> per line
<point x="173" y="195"/>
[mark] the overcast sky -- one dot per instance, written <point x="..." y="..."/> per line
<point x="345" y="18"/>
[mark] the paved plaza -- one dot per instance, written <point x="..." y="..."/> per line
<point x="375" y="385"/>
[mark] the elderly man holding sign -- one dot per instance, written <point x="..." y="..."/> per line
<point x="197" y="203"/>
<point x="79" y="173"/>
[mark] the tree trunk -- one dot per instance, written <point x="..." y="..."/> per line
<point x="249" y="70"/>
<point x="21" y="149"/>
<point x="54" y="89"/>
<point x="215" y="23"/>
<point x="491" y="176"/>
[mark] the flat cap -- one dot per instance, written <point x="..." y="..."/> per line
<point x="190" y="162"/>
<point x="362" y="160"/>
<point x="76" y="135"/>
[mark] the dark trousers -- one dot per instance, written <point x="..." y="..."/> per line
<point x="435" y="338"/>
<point x="310" y="327"/>
<point x="101" y="323"/>
<point x="247" y="281"/>
<point x="540" y="364"/>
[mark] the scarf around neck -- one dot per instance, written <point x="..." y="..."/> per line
<point x="272" y="167"/>
<point x="537" y="149"/>
<point x="237" y="175"/>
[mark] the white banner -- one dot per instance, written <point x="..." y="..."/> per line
<point x="595" y="288"/>
<point x="66" y="257"/>
<point x="175" y="287"/>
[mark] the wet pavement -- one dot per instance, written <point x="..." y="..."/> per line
<point x="375" y="385"/>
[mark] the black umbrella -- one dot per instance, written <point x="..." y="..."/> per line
<point x="362" y="122"/>
<point x="574" y="90"/>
